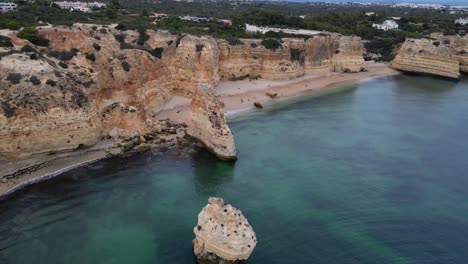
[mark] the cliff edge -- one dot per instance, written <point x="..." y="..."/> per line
<point x="96" y="82"/>
<point x="444" y="56"/>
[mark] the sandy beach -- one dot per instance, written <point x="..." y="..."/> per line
<point x="238" y="96"/>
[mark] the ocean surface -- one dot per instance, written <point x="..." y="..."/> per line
<point x="373" y="173"/>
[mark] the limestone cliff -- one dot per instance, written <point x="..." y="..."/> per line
<point x="92" y="80"/>
<point x="295" y="57"/>
<point x="443" y="56"/>
<point x="43" y="108"/>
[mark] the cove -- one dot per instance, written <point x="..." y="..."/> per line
<point x="373" y="173"/>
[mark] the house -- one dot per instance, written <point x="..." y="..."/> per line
<point x="69" y="5"/>
<point x="4" y="7"/>
<point x="462" y="21"/>
<point x="370" y="14"/>
<point x="386" y="25"/>
<point x="80" y="9"/>
<point x="225" y="21"/>
<point x="194" y="19"/>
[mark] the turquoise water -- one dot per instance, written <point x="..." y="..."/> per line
<point x="374" y="173"/>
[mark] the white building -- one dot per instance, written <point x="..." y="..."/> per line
<point x="225" y="21"/>
<point x="7" y="6"/>
<point x="263" y="30"/>
<point x="462" y="21"/>
<point x="370" y="13"/>
<point x="80" y="9"/>
<point x="75" y="5"/>
<point x="194" y="19"/>
<point x="387" y="25"/>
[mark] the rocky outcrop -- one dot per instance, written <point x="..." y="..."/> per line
<point x="460" y="49"/>
<point x="348" y="55"/>
<point x="95" y="80"/>
<point x="222" y="234"/>
<point x="295" y="57"/>
<point x="210" y="128"/>
<point x="43" y="108"/>
<point x="443" y="56"/>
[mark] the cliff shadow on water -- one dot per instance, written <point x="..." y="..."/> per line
<point x="210" y="173"/>
<point x="426" y="85"/>
<point x="423" y="75"/>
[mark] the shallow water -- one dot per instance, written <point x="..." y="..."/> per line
<point x="374" y="173"/>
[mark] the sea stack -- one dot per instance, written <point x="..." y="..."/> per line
<point x="223" y="234"/>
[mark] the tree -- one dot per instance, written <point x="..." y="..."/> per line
<point x="115" y="4"/>
<point x="10" y="24"/>
<point x="30" y="33"/>
<point x="270" y="43"/>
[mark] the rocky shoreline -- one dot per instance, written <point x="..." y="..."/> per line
<point x="97" y="89"/>
<point x="171" y="137"/>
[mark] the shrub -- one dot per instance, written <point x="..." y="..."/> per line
<point x="28" y="48"/>
<point x="126" y="66"/>
<point x="111" y="14"/>
<point x="8" y="109"/>
<point x="121" y="27"/>
<point x="157" y="52"/>
<point x="199" y="47"/>
<point x="436" y="43"/>
<point x="273" y="34"/>
<point x="63" y="65"/>
<point x="124" y="45"/>
<point x="57" y="74"/>
<point x="5" y="42"/>
<point x="63" y="55"/>
<point x="75" y="50"/>
<point x="234" y="41"/>
<point x="253" y="45"/>
<point x="91" y="57"/>
<point x="14" y="78"/>
<point x="96" y="47"/>
<point x="143" y="37"/>
<point x="34" y="80"/>
<point x="178" y="40"/>
<point x="120" y="37"/>
<point x="30" y="33"/>
<point x="271" y="43"/>
<point x="51" y="82"/>
<point x="10" y="24"/>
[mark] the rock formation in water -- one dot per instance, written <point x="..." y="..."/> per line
<point x="444" y="56"/>
<point x="94" y="80"/>
<point x="223" y="234"/>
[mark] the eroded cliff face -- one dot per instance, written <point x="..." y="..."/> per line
<point x="43" y="108"/>
<point x="94" y="80"/>
<point x="444" y="56"/>
<point x="295" y="57"/>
